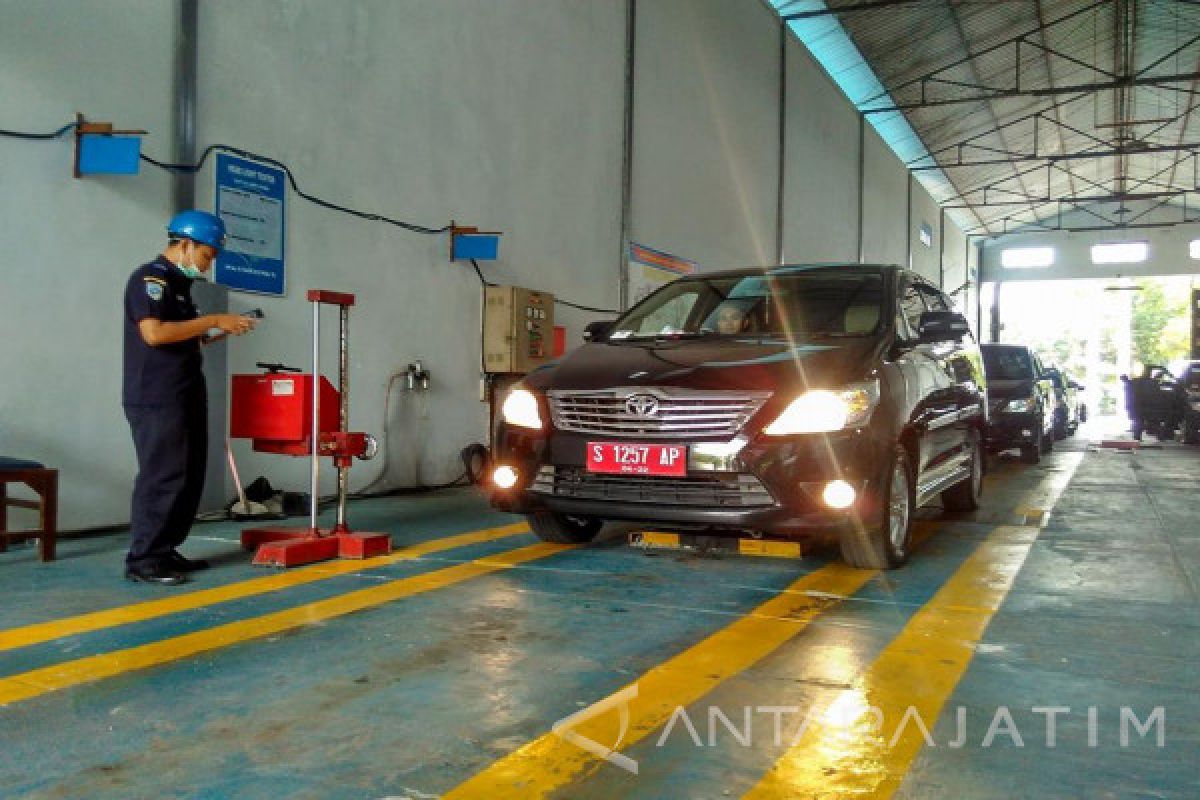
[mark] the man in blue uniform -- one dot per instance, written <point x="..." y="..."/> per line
<point x="164" y="394"/>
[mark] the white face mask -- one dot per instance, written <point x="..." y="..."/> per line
<point x="191" y="271"/>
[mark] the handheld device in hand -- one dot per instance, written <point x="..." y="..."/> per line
<point x="255" y="313"/>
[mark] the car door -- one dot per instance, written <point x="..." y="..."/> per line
<point x="949" y="396"/>
<point x="1045" y="389"/>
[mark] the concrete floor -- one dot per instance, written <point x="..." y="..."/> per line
<point x="443" y="671"/>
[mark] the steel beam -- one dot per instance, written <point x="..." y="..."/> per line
<point x="872" y="5"/>
<point x="1124" y="82"/>
<point x="1057" y="157"/>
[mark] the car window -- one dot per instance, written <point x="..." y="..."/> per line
<point x="1007" y="364"/>
<point x="933" y="299"/>
<point x="670" y="317"/>
<point x="793" y="304"/>
<point x="911" y="309"/>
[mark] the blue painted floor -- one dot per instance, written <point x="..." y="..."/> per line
<point x="412" y="697"/>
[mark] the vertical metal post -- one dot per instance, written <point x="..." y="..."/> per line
<point x="908" y="220"/>
<point x="780" y="185"/>
<point x="183" y="184"/>
<point x="862" y="188"/>
<point x="343" y="472"/>
<point x="996" y="312"/>
<point x="942" y="250"/>
<point x="314" y="483"/>
<point x="627" y="154"/>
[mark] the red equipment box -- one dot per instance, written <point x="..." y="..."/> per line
<point x="276" y="408"/>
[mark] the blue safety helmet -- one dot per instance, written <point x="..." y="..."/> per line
<point x="199" y="226"/>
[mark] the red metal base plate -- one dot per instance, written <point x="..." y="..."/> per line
<point x="293" y="547"/>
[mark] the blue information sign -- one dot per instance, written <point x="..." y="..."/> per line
<point x="250" y="199"/>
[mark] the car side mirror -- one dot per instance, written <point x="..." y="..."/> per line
<point x="942" y="326"/>
<point x="598" y="330"/>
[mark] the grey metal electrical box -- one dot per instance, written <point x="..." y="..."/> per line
<point x="518" y="329"/>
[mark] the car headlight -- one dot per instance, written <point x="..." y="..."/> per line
<point x="1021" y="404"/>
<point x="521" y="409"/>
<point x="825" y="411"/>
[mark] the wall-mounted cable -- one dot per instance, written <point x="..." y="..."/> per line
<point x="24" y="135"/>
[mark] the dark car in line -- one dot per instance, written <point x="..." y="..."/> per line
<point x="1189" y="400"/>
<point x="796" y="401"/>
<point x="1022" y="400"/>
<point x="1070" y="410"/>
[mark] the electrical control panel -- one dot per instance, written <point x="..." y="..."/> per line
<point x="518" y="329"/>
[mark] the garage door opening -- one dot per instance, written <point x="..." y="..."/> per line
<point x="1096" y="330"/>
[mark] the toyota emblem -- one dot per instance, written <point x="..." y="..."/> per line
<point x="642" y="405"/>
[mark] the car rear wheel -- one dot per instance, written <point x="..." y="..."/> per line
<point x="550" y="526"/>
<point x="886" y="546"/>
<point x="964" y="496"/>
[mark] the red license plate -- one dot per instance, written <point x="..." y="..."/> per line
<point x="620" y="458"/>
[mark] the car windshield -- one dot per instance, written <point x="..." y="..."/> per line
<point x="1006" y="364"/>
<point x="797" y="305"/>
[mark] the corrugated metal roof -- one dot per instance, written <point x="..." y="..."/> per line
<point x="1015" y="112"/>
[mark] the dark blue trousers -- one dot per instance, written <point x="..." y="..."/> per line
<point x="171" y="441"/>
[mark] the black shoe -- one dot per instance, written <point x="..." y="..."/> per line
<point x="162" y="574"/>
<point x="178" y="561"/>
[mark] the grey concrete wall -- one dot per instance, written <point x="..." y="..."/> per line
<point x="885" y="197"/>
<point x="705" y="154"/>
<point x="67" y="246"/>
<point x="926" y="259"/>
<point x="821" y="208"/>
<point x="503" y="115"/>
<point x="508" y="116"/>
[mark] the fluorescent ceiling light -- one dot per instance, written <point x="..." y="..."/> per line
<point x="1026" y="257"/>
<point x="1120" y="253"/>
<point x="1194" y="248"/>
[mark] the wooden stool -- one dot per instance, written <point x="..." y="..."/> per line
<point x="45" y="483"/>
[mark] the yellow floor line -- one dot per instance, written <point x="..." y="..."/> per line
<point x="139" y="612"/>
<point x="554" y="760"/>
<point x="851" y="754"/>
<point x="42" y="681"/>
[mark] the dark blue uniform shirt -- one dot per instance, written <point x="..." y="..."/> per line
<point x="168" y="373"/>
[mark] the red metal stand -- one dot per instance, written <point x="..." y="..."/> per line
<point x="280" y="420"/>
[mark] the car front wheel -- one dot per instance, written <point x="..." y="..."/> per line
<point x="885" y="546"/>
<point x="550" y="526"/>
<point x="964" y="496"/>
<point x="1032" y="453"/>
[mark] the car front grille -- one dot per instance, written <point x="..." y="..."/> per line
<point x="679" y="413"/>
<point x="709" y="491"/>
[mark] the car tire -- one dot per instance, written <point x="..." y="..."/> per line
<point x="1191" y="435"/>
<point x="550" y="526"/>
<point x="1060" y="430"/>
<point x="964" y="496"/>
<point x="1032" y="453"/>
<point x="885" y="546"/>
<point x="1047" y="445"/>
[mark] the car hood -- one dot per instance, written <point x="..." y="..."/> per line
<point x="750" y="364"/>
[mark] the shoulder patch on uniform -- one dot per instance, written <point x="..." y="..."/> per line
<point x="154" y="290"/>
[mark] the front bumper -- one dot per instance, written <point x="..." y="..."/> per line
<point x="1007" y="430"/>
<point x="760" y="484"/>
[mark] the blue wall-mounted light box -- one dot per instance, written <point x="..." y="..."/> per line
<point x="468" y="243"/>
<point x="100" y="150"/>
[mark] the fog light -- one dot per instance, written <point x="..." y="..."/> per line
<point x="505" y="477"/>
<point x="839" y="494"/>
